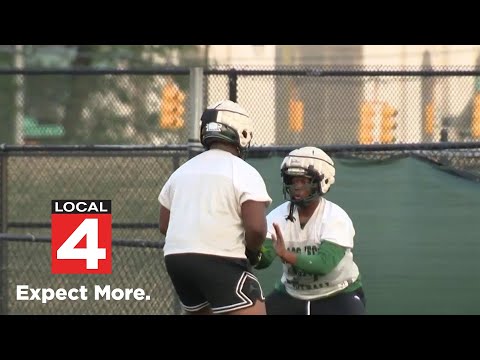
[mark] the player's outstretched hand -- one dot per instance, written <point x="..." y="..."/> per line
<point x="277" y="239"/>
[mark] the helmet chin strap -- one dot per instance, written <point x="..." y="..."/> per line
<point x="302" y="203"/>
<point x="305" y="202"/>
<point x="243" y="152"/>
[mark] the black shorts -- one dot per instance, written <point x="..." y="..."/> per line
<point x="222" y="283"/>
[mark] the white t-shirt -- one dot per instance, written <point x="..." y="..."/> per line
<point x="204" y="197"/>
<point x="330" y="223"/>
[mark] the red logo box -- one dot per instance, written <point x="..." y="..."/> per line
<point x="81" y="236"/>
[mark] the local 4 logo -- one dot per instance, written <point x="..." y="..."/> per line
<point x="81" y="236"/>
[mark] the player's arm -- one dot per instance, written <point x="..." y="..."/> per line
<point x="164" y="219"/>
<point x="321" y="263"/>
<point x="255" y="224"/>
<point x="267" y="255"/>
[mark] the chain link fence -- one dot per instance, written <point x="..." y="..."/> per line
<point x="138" y="264"/>
<point x="371" y="114"/>
<point x="131" y="179"/>
<point x="290" y="105"/>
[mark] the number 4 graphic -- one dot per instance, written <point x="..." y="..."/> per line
<point x="91" y="253"/>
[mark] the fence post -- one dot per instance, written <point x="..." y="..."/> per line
<point x="196" y="109"/>
<point x="3" y="229"/>
<point x="232" y="85"/>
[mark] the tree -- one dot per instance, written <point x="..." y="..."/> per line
<point x="98" y="108"/>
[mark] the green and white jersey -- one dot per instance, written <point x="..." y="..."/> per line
<point x="330" y="223"/>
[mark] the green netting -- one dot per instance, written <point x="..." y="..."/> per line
<point x="417" y="233"/>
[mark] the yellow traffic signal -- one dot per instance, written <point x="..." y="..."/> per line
<point x="429" y="118"/>
<point x="476" y="117"/>
<point x="295" y="115"/>
<point x="388" y="124"/>
<point x="365" y="129"/>
<point x="172" y="108"/>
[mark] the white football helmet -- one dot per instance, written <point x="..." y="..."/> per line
<point x="311" y="162"/>
<point x="226" y="121"/>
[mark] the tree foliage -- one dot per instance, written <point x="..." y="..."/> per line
<point x="112" y="56"/>
<point x="105" y="109"/>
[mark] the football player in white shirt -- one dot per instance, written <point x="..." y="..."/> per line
<point x="213" y="213"/>
<point x="314" y="239"/>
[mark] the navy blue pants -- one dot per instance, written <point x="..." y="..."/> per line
<point x="344" y="303"/>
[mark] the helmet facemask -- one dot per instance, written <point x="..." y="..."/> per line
<point x="310" y="162"/>
<point x="288" y="188"/>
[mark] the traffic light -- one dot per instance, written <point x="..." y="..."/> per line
<point x="429" y="118"/>
<point x="476" y="117"/>
<point x="388" y="124"/>
<point x="172" y="107"/>
<point x="365" y="129"/>
<point x="295" y="115"/>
